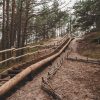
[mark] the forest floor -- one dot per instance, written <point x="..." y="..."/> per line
<point x="73" y="81"/>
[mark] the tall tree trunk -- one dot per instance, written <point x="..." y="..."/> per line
<point x="19" y="24"/>
<point x="3" y="27"/>
<point x="7" y="25"/>
<point x="12" y="32"/>
<point x="3" y="41"/>
<point x="26" y="22"/>
<point x="98" y="23"/>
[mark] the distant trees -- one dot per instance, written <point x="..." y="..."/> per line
<point x="87" y="14"/>
<point x="49" y="20"/>
<point x="15" y="22"/>
<point x="20" y="19"/>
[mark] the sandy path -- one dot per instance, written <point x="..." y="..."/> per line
<point x="77" y="80"/>
<point x="32" y="90"/>
<point x="74" y="81"/>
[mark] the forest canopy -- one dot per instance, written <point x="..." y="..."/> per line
<point x="22" y="18"/>
<point x="87" y="15"/>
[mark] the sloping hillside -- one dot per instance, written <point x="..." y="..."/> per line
<point x="90" y="45"/>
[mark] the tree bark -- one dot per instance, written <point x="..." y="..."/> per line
<point x="3" y="41"/>
<point x="98" y="23"/>
<point x="12" y="32"/>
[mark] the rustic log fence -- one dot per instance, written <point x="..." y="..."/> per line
<point x="14" y="51"/>
<point x="34" y="58"/>
<point x="85" y="60"/>
<point x="46" y="86"/>
<point x="24" y="72"/>
<point x="28" y="50"/>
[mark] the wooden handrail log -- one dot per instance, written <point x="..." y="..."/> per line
<point x="19" y="77"/>
<point x="18" y="57"/>
<point x="22" y="48"/>
<point x="16" y="49"/>
<point x="13" y="50"/>
<point x="21" y="56"/>
<point x="6" y="60"/>
<point x="7" y="50"/>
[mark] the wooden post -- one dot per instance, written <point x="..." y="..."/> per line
<point x="29" y="50"/>
<point x="48" y="76"/>
<point x="54" y="44"/>
<point x="34" y="55"/>
<point x="76" y="58"/>
<point x="67" y="55"/>
<point x="14" y="55"/>
<point x="19" y="77"/>
<point x="87" y="59"/>
<point x="43" y="80"/>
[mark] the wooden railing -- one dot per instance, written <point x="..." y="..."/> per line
<point x="28" y="51"/>
<point x="33" y="68"/>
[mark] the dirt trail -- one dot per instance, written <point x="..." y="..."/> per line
<point x="74" y="81"/>
<point x="77" y="80"/>
<point x="32" y="90"/>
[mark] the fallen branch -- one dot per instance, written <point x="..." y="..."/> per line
<point x="48" y="89"/>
